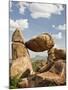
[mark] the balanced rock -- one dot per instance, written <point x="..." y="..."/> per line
<point x="40" y="43"/>
<point x="20" y="57"/>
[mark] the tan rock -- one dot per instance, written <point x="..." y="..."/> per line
<point x="55" y="54"/>
<point x="16" y="37"/>
<point x="18" y="50"/>
<point x="43" y="79"/>
<point x="59" y="68"/>
<point x="46" y="67"/>
<point x="20" y="65"/>
<point x="24" y="83"/>
<point x="40" y="43"/>
<point x="20" y="57"/>
<point x="55" y="76"/>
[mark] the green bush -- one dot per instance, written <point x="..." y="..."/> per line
<point x="14" y="83"/>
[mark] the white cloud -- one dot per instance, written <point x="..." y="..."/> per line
<point x="39" y="10"/>
<point x="21" y="24"/>
<point x="22" y="7"/>
<point x="53" y="26"/>
<point x="60" y="27"/>
<point x="57" y="36"/>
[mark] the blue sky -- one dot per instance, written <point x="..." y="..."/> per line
<point x="35" y="18"/>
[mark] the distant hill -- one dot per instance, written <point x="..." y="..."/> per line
<point x="38" y="57"/>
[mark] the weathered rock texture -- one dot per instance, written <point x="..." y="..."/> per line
<point x="21" y="61"/>
<point x="58" y="67"/>
<point x="55" y="76"/>
<point x="54" y="55"/>
<point x="40" y="43"/>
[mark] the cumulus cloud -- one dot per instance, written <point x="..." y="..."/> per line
<point x="39" y="10"/>
<point x="57" y="36"/>
<point x="20" y="24"/>
<point x="60" y="27"/>
<point x="22" y="7"/>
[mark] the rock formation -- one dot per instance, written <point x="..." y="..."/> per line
<point x="40" y="43"/>
<point x="58" y="67"/>
<point x="52" y="73"/>
<point x="54" y="55"/>
<point x="20" y="57"/>
<point x="55" y="76"/>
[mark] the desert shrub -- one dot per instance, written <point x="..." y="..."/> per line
<point x="14" y="82"/>
<point x="37" y="65"/>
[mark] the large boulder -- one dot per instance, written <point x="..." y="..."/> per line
<point x="58" y="67"/>
<point x="20" y="57"/>
<point x="40" y="43"/>
<point x="55" y="54"/>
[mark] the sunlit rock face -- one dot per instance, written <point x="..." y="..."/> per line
<point x="20" y="58"/>
<point x="40" y="43"/>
